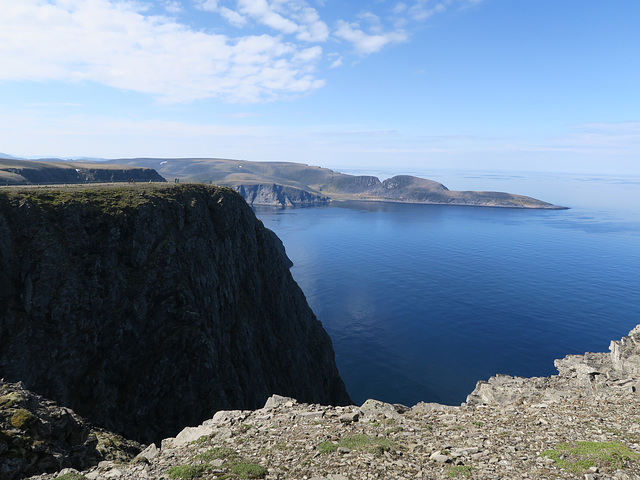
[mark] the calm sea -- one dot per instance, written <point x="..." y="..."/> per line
<point x="422" y="301"/>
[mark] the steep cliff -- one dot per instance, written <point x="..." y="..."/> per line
<point x="278" y="195"/>
<point x="25" y="172"/>
<point x="147" y="308"/>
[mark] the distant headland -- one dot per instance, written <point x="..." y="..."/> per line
<point x="262" y="183"/>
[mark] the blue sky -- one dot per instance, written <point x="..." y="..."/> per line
<point x="513" y="85"/>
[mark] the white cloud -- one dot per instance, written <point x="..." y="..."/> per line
<point x="365" y="43"/>
<point x="308" y="55"/>
<point x="233" y="17"/>
<point x="336" y="63"/>
<point x="422" y="9"/>
<point x="117" y="45"/>
<point x="288" y="17"/>
<point x="172" y="6"/>
<point x="262" y="12"/>
<point x="207" y="5"/>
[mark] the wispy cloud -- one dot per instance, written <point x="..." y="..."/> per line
<point x="365" y="43"/>
<point x="121" y="44"/>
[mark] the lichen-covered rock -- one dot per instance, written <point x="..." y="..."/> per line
<point x="146" y="308"/>
<point x="37" y="436"/>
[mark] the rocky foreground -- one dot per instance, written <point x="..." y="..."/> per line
<point x="583" y="423"/>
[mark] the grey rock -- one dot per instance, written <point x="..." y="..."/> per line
<point x="375" y="408"/>
<point x="440" y="458"/>
<point x="149" y="453"/>
<point x="312" y="416"/>
<point x="349" y="417"/>
<point x="275" y="401"/>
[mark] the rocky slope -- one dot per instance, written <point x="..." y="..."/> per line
<point x="147" y="308"/>
<point x="510" y="428"/>
<point x="26" y="172"/>
<point x="36" y="436"/>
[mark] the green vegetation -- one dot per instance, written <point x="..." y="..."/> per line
<point x="187" y="472"/>
<point x="357" y="442"/>
<point x="465" y="471"/>
<point x="216" y="453"/>
<point x="327" y="447"/>
<point x="249" y="470"/>
<point x="233" y="466"/>
<point x="22" y="418"/>
<point x="478" y="423"/>
<point x="71" y="476"/>
<point x="111" y="198"/>
<point x="581" y="456"/>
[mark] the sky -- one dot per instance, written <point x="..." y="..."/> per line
<point x="495" y="85"/>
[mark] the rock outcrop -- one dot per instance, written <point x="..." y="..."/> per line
<point x="36" y="436"/>
<point x="617" y="370"/>
<point x="278" y="195"/>
<point x="147" y="308"/>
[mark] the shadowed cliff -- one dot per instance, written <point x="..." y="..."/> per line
<point x="27" y="172"/>
<point x="147" y="308"/>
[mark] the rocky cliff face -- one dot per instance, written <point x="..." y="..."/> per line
<point x="24" y="172"/>
<point x="278" y="195"/>
<point x="148" y="308"/>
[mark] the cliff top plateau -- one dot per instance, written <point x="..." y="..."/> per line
<point x="583" y="423"/>
<point x="149" y="307"/>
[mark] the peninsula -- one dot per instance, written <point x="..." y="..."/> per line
<point x="288" y="183"/>
<point x="260" y="183"/>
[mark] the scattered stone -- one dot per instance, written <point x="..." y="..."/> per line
<point x="349" y="417"/>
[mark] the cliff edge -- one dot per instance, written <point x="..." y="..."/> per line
<point x="147" y="308"/>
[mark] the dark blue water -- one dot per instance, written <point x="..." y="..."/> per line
<point x="422" y="301"/>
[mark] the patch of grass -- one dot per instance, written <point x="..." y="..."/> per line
<point x="327" y="447"/>
<point x="249" y="470"/>
<point x="456" y="471"/>
<point x="216" y="453"/>
<point x="365" y="442"/>
<point x="71" y="476"/>
<point x="187" y="472"/>
<point x="580" y="456"/>
<point x="22" y="419"/>
<point x="478" y="423"/>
